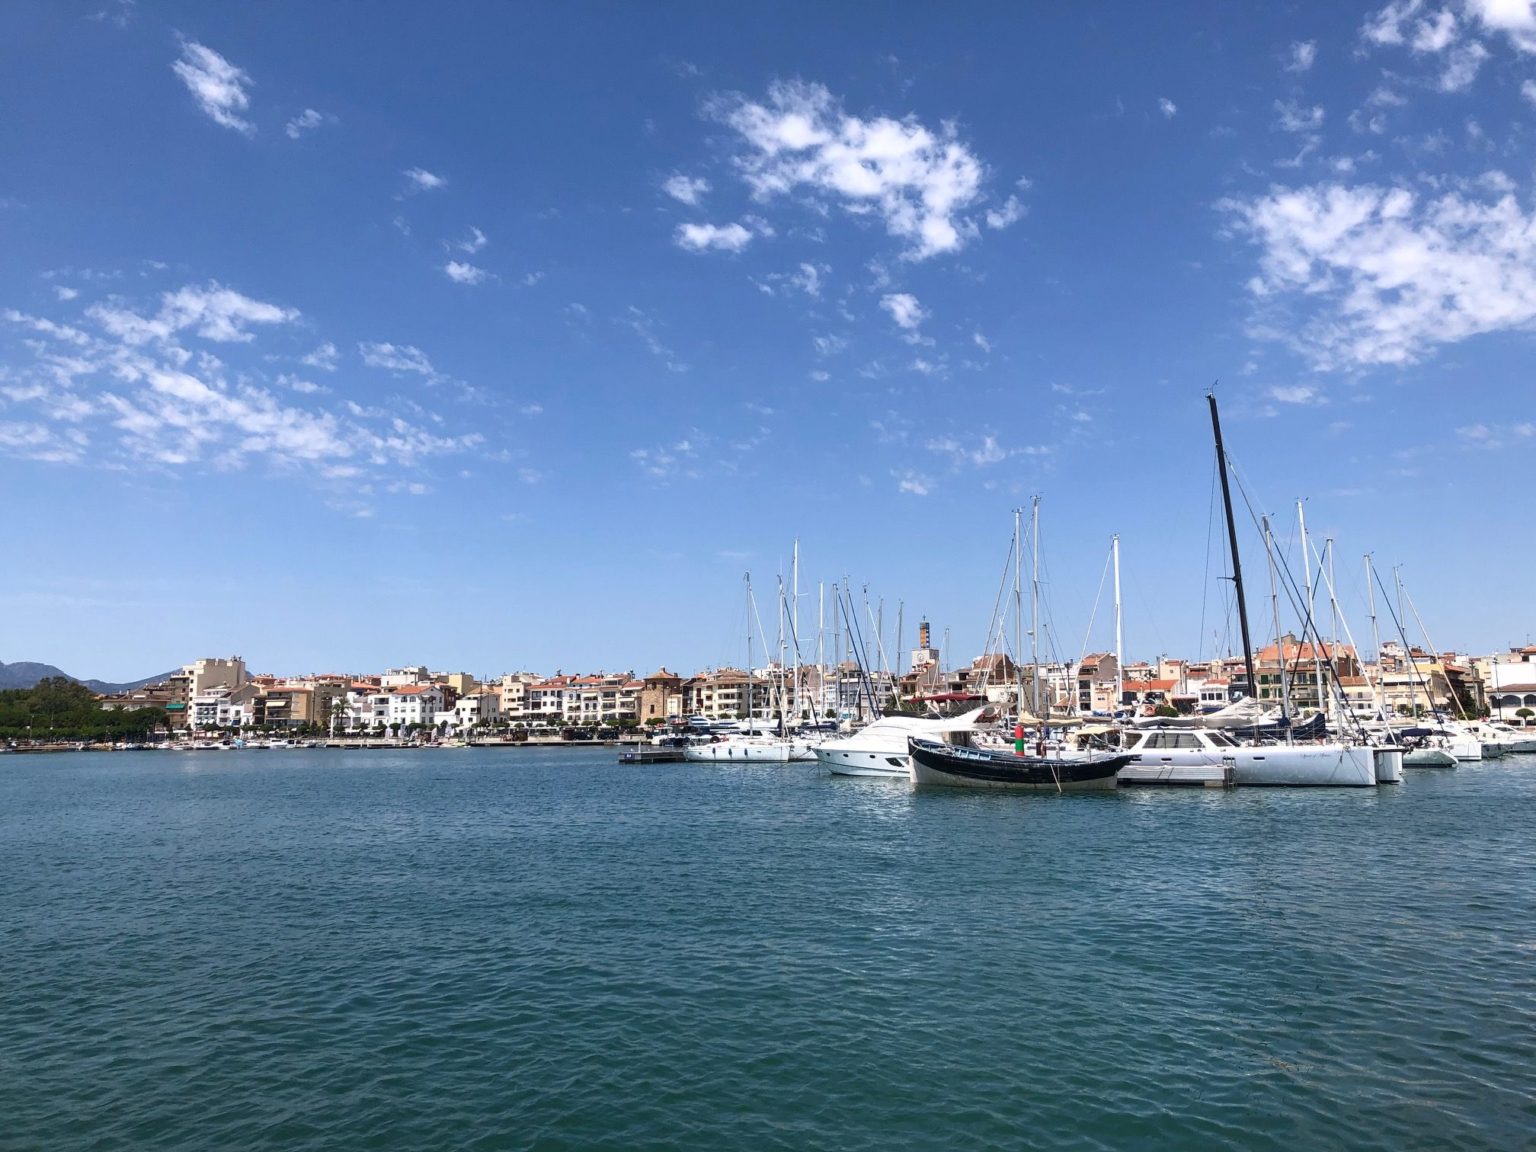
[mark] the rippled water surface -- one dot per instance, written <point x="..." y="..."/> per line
<point x="514" y="948"/>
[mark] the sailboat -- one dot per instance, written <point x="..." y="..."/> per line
<point x="755" y="744"/>
<point x="1289" y="764"/>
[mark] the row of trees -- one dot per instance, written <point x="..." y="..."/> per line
<point x="59" y="709"/>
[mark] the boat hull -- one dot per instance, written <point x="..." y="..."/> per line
<point x="947" y="766"/>
<point x="742" y="752"/>
<point x="1276" y="766"/>
<point x="1428" y="758"/>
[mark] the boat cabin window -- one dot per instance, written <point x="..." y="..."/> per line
<point x="1172" y="740"/>
<point x="1221" y="739"/>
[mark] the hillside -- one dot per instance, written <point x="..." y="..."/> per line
<point x="26" y="673"/>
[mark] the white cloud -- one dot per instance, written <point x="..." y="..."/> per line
<point x="306" y="121"/>
<point x="665" y="462"/>
<point x="128" y="394"/>
<point x="323" y="357"/>
<point x="1294" y="394"/>
<point x="472" y="245"/>
<point x="463" y="273"/>
<point x="807" y="278"/>
<point x="904" y="309"/>
<point x="217" y="85"/>
<point x="1435" y="33"/>
<point x="913" y="483"/>
<point x="1461" y="66"/>
<point x="1515" y="18"/>
<point x="1302" y="56"/>
<point x="687" y="189"/>
<point x="917" y="180"/>
<point x="1379" y="276"/>
<point x="643" y="325"/>
<point x="1495" y="436"/>
<point x="703" y="237"/>
<point x="1010" y="213"/>
<point x="981" y="341"/>
<point x="985" y="452"/>
<point x="214" y="312"/>
<point x="829" y="345"/>
<point x="397" y="358"/>
<point x="1294" y="118"/>
<point x="65" y="293"/>
<point x="1167" y="107"/>
<point x="420" y="180"/>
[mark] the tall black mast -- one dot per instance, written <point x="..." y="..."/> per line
<point x="1237" y="568"/>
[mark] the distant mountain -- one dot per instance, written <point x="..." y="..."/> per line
<point x="26" y="673"/>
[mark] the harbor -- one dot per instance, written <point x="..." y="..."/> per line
<point x="305" y="946"/>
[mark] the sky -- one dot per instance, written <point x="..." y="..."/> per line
<point x="500" y="337"/>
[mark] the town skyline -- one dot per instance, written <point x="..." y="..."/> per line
<point x="444" y="336"/>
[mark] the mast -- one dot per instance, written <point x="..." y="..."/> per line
<point x="1018" y="612"/>
<point x="794" y="626"/>
<point x="1379" y="687"/>
<point x="1274" y="596"/>
<point x="1306" y="568"/>
<point x="1237" y="569"/>
<point x="1034" y="606"/>
<point x="1114" y="548"/>
<point x="750" y="613"/>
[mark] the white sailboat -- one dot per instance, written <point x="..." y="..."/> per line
<point x="755" y="745"/>
<point x="1292" y="765"/>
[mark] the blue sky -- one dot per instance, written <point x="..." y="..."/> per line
<point x="511" y="336"/>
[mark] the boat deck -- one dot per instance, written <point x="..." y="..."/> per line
<point x="651" y="755"/>
<point x="1180" y="775"/>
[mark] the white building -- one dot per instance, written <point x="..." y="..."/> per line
<point x="479" y="708"/>
<point x="222" y="707"/>
<point x="404" y="677"/>
<point x="415" y="704"/>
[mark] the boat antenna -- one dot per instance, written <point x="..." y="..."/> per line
<point x="1237" y="568"/>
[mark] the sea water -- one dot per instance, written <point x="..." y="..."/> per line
<point x="544" y="949"/>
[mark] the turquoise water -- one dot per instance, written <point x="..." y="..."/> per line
<point x="516" y="948"/>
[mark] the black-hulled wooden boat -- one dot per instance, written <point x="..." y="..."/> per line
<point x="956" y="766"/>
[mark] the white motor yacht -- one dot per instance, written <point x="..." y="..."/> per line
<point x="880" y="748"/>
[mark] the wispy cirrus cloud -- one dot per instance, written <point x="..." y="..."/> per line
<point x="307" y="121"/>
<point x="643" y="325"/>
<point x="420" y="180"/>
<point x="920" y="182"/>
<point x="214" y="312"/>
<point x="324" y="357"/>
<point x="1356" y="276"/>
<point x="1302" y="55"/>
<point x="128" y="388"/>
<point x="397" y="358"/>
<point x="220" y="89"/>
<point x="808" y="278"/>
<point x="474" y="242"/>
